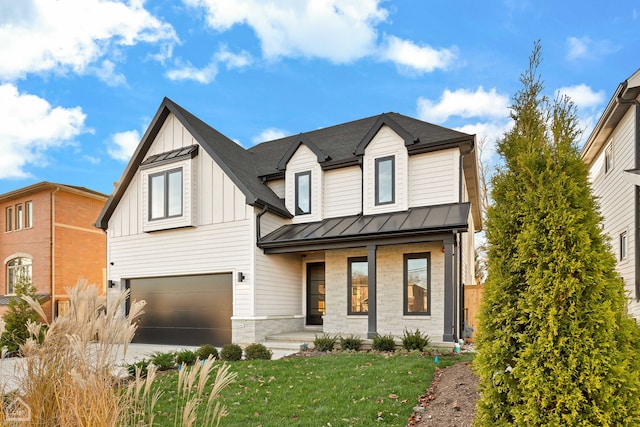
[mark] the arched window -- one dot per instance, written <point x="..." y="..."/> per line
<point x="18" y="271"/>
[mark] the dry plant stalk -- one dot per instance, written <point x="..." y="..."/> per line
<point x="68" y="378"/>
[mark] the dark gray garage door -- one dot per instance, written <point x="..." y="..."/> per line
<point x="184" y="310"/>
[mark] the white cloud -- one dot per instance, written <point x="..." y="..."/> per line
<point x="107" y="73"/>
<point x="186" y="71"/>
<point x="29" y="127"/>
<point x="585" y="48"/>
<point x="336" y="30"/>
<point x="123" y="144"/>
<point x="464" y="103"/>
<point x="70" y="35"/>
<point x="582" y="95"/>
<point x="207" y="74"/>
<point x="416" y="59"/>
<point x="269" y="134"/>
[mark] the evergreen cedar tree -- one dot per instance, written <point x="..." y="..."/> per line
<point x="555" y="346"/>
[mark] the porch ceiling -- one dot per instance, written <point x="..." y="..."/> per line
<point x="414" y="224"/>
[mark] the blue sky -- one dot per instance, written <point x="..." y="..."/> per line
<point x="80" y="80"/>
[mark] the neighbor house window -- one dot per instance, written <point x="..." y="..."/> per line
<point x="28" y="215"/>
<point x="18" y="271"/>
<point x="623" y="246"/>
<point x="303" y="193"/>
<point x="18" y="217"/>
<point x="358" y="285"/>
<point x="608" y="158"/>
<point x="385" y="180"/>
<point x="9" y="218"/>
<point x="417" y="287"/>
<point x="165" y="194"/>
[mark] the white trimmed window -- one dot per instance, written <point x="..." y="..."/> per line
<point x="28" y="215"/>
<point x="18" y="271"/>
<point x="623" y="245"/>
<point x="9" y="219"/>
<point x="608" y="158"/>
<point x="19" y="217"/>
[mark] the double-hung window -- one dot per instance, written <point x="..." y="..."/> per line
<point x="28" y="215"/>
<point x="165" y="194"/>
<point x="303" y="193"/>
<point x="358" y="289"/>
<point x="417" y="286"/>
<point x="9" y="218"/>
<point x="623" y="246"/>
<point x="18" y="271"/>
<point x="19" y="217"/>
<point x="385" y="180"/>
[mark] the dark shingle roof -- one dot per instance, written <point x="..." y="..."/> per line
<point x="247" y="168"/>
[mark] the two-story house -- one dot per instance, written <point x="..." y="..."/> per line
<point x="360" y="228"/>
<point x="49" y="239"/>
<point x="612" y="153"/>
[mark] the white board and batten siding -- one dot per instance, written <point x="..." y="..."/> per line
<point x="342" y="192"/>
<point x="304" y="160"/>
<point x="217" y="242"/>
<point x="435" y="178"/>
<point x="615" y="196"/>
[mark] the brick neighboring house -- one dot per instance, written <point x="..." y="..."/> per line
<point x="48" y="236"/>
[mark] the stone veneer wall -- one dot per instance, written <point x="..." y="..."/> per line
<point x="248" y="331"/>
<point x="390" y="294"/>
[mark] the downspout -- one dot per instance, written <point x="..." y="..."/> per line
<point x="636" y="203"/>
<point x="458" y="281"/>
<point x="262" y="212"/>
<point x="53" y="253"/>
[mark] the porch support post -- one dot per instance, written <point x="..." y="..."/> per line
<point x="449" y="292"/>
<point x="371" y="288"/>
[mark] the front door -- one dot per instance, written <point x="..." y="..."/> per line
<point x="315" y="293"/>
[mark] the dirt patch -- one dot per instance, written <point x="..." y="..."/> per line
<point x="450" y="400"/>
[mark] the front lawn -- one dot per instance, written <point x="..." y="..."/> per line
<point x="342" y="389"/>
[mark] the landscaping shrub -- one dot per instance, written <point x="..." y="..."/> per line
<point x="556" y="346"/>
<point x="257" y="351"/>
<point x="414" y="340"/>
<point x="187" y="357"/>
<point x="141" y="365"/>
<point x="384" y="343"/>
<point x="19" y="313"/>
<point x="231" y="352"/>
<point x="325" y="342"/>
<point x="163" y="360"/>
<point x="205" y="351"/>
<point x="351" y="342"/>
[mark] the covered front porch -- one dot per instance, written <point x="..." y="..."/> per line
<point x="383" y="246"/>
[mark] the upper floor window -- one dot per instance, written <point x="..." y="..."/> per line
<point x="9" y="218"/>
<point x="303" y="193"/>
<point x="358" y="289"/>
<point x="28" y="215"/>
<point x="165" y="194"/>
<point x="385" y="180"/>
<point x="19" y="217"/>
<point x="608" y="158"/>
<point x="18" y="271"/>
<point x="417" y="287"/>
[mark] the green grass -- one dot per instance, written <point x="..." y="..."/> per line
<point x="343" y="389"/>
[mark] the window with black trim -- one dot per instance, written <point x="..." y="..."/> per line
<point x="358" y="286"/>
<point x="18" y="217"/>
<point x="417" y="283"/>
<point x="165" y="194"/>
<point x="303" y="193"/>
<point x="18" y="272"/>
<point x="9" y="218"/>
<point x="385" y="180"/>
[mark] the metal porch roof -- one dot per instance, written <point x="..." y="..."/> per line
<point x="415" y="221"/>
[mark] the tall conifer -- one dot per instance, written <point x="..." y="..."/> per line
<point x="555" y="345"/>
